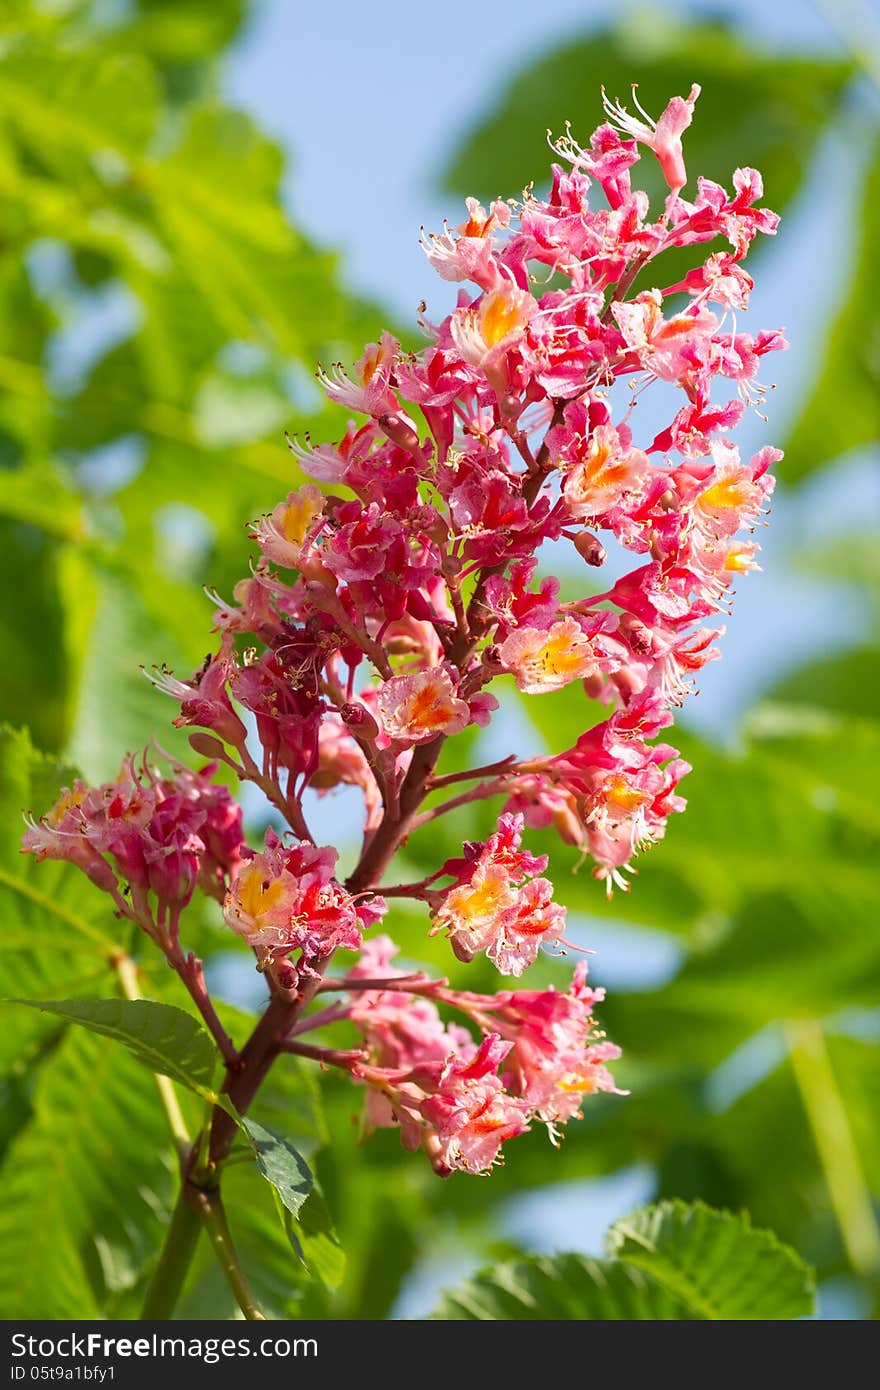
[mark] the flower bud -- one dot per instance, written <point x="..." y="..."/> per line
<point x="636" y="634"/>
<point x="400" y="432"/>
<point x="590" y="548"/>
<point x="206" y="745"/>
<point x="358" y="720"/>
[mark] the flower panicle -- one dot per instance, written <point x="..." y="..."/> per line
<point x="399" y="583"/>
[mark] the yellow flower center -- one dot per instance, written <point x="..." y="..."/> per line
<point x="499" y="315"/>
<point x="256" y="895"/>
<point x="429" y="709"/>
<point x="560" y="656"/>
<point x="298" y="516"/>
<point x="65" y="803"/>
<point x="626" y="798"/>
<point x="739" y="559"/>
<point x="727" y="492"/>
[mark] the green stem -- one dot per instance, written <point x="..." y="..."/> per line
<point x="835" y="1144"/>
<point x="174" y="1262"/>
<point x="210" y="1208"/>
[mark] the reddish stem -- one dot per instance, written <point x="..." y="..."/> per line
<point x="406" y="984"/>
<point x="450" y="778"/>
<point x="189" y="969"/>
<point x="327" y="1056"/>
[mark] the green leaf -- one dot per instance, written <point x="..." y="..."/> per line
<point x="716" y="1263"/>
<point x="280" y="1164"/>
<point x="842" y="411"/>
<point x="87" y="1185"/>
<point x="306" y="1218"/>
<point x="758" y="108"/>
<point x="560" y="1288"/>
<point x="82" y="104"/>
<point x="170" y="206"/>
<point x="31" y="665"/>
<point x="164" y="1038"/>
<point x="845" y="684"/>
<point x="669" y="1261"/>
<point x="114" y="708"/>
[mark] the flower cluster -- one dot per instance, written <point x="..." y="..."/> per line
<point x="497" y="904"/>
<point x="538" y="1058"/>
<point x="394" y="589"/>
<point x="156" y="837"/>
<point x="286" y="899"/>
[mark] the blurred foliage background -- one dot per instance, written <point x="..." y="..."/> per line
<point x="160" y="320"/>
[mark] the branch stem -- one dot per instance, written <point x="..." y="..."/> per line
<point x="170" y="1273"/>
<point x="208" y="1206"/>
<point x="835" y="1143"/>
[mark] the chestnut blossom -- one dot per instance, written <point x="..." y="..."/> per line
<point x="548" y="659"/>
<point x="498" y="904"/>
<point x="160" y="836"/>
<point x="418" y="707"/>
<point x="662" y="136"/>
<point x="456" y="1109"/>
<point x="286" y="899"/>
<point x="382" y="605"/>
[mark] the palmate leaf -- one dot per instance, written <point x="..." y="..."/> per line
<point x="163" y="1038"/>
<point x="668" y="1261"/>
<point x="561" y="1288"/>
<point x="87" y="1184"/>
<point x="113" y="708"/>
<point x="716" y="1263"/>
<point x="189" y="226"/>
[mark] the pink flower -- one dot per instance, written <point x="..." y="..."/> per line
<point x="603" y="473"/>
<point x="469" y="1113"/>
<point x="286" y="899"/>
<point x="60" y="835"/>
<point x="497" y="905"/>
<point x="456" y="1109"/>
<point x="163" y="834"/>
<point x="543" y="659"/>
<point x="283" y="534"/>
<point x="401" y="1030"/>
<point x="662" y="136"/>
<point x="204" y="700"/>
<point x="419" y="707"/>
<point x="470" y="255"/>
<point x="485" y="334"/>
<point x="558" y="1057"/>
<point x="674" y="349"/>
<point x="369" y="391"/>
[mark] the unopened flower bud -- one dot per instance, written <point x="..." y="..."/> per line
<point x="358" y="720"/>
<point x="510" y="407"/>
<point x="636" y="633"/>
<point x="400" y="432"/>
<point x="286" y="975"/>
<point x="590" y="548"/>
<point x="206" y="745"/>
